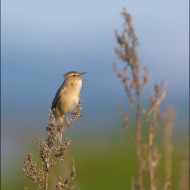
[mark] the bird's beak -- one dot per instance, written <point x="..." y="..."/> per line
<point x="82" y="74"/>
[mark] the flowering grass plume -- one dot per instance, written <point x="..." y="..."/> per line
<point x="134" y="78"/>
<point x="52" y="154"/>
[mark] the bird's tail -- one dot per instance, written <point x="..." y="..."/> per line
<point x="60" y="121"/>
<point x="60" y="137"/>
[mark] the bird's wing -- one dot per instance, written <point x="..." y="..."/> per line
<point x="57" y="96"/>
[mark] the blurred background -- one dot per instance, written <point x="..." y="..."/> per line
<point x="42" y="40"/>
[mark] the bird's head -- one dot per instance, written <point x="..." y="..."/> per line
<point x="74" y="77"/>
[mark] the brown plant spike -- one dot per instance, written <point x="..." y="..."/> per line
<point x="30" y="169"/>
<point x="130" y="78"/>
<point x="64" y="183"/>
<point x="134" y="79"/>
<point x="51" y="154"/>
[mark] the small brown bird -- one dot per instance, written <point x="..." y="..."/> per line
<point x="67" y="96"/>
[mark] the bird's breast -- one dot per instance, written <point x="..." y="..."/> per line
<point x="68" y="101"/>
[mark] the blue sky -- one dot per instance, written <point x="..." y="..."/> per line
<point x="42" y="40"/>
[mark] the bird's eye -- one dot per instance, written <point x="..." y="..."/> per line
<point x="74" y="75"/>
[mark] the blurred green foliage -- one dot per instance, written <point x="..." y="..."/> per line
<point x="102" y="162"/>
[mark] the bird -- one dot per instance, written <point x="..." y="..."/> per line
<point x="67" y="97"/>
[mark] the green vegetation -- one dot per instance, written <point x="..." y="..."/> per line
<point x="105" y="162"/>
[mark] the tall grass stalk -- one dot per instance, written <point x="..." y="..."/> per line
<point x="51" y="154"/>
<point x="134" y="78"/>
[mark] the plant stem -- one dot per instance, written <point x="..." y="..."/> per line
<point x="46" y="183"/>
<point x="152" y="158"/>
<point x="138" y="140"/>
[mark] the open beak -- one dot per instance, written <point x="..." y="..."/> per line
<point x="82" y="74"/>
